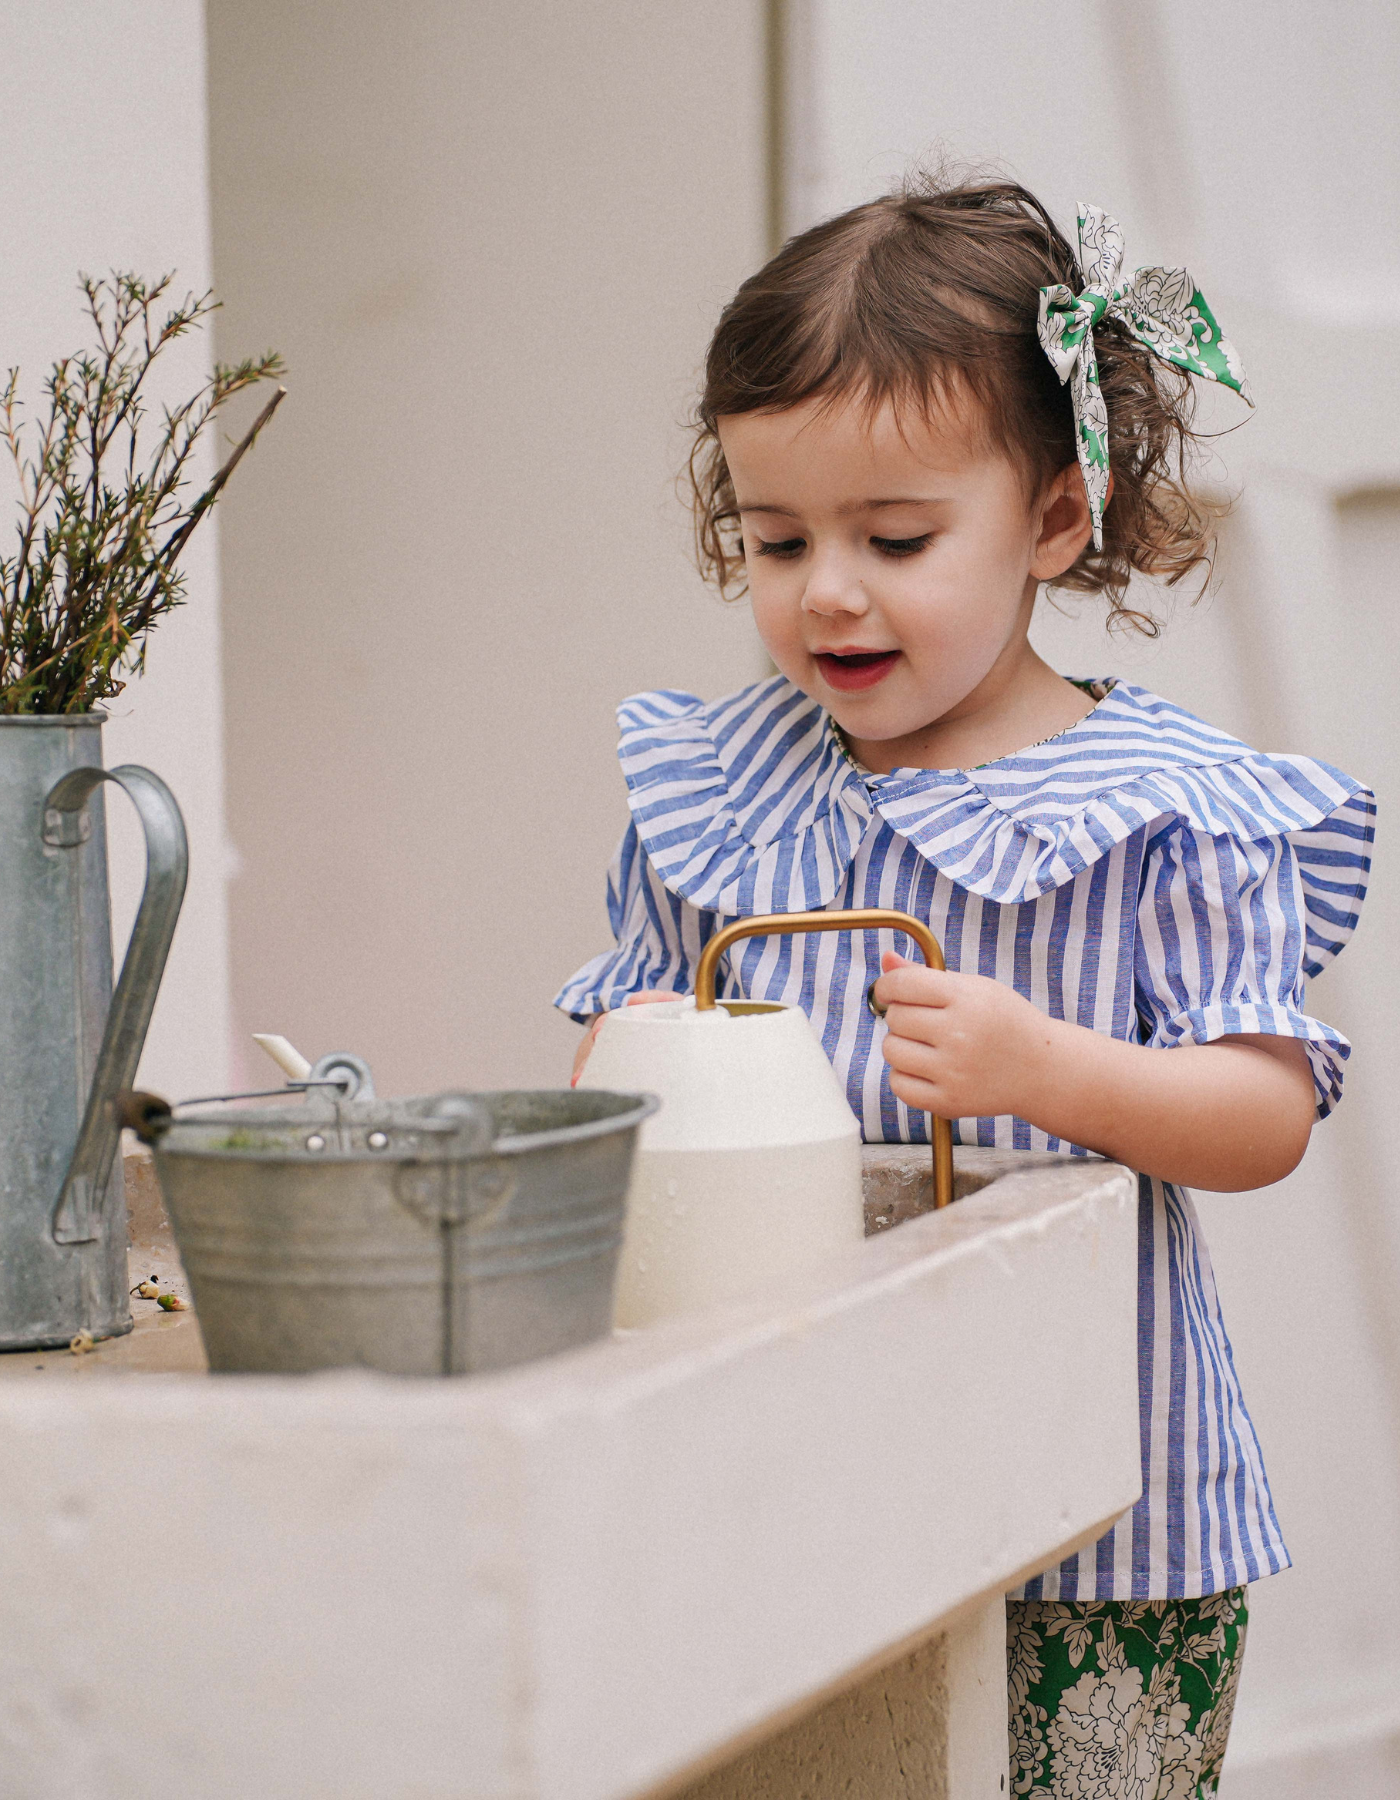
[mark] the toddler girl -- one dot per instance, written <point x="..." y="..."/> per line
<point x="914" y="416"/>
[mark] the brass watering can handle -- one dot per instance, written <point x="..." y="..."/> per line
<point x="870" y="918"/>
<point x="77" y="1215"/>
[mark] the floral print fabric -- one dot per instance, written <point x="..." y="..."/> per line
<point x="1122" y="1700"/>
<point x="1163" y="308"/>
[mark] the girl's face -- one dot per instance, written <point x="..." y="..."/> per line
<point x="893" y="563"/>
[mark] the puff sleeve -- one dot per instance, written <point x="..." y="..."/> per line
<point x="1229" y="929"/>
<point x="658" y="936"/>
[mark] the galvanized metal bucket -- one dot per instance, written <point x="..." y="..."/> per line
<point x="67" y="1043"/>
<point x="443" y="1235"/>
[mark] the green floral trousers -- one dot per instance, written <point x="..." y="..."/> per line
<point x="1122" y="1699"/>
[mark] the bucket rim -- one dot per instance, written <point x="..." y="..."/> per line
<point x="644" y="1106"/>
<point x="628" y="1117"/>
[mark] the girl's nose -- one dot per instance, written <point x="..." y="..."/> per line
<point x="832" y="588"/>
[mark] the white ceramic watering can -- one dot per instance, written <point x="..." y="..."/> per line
<point x="750" y="1174"/>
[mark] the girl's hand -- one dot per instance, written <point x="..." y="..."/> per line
<point x="1230" y="1114"/>
<point x="585" y="1049"/>
<point x="960" y="1046"/>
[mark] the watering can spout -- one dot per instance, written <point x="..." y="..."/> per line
<point x="148" y="1115"/>
<point x="78" y="1212"/>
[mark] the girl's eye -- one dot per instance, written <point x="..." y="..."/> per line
<point x="901" y="546"/>
<point x="788" y="547"/>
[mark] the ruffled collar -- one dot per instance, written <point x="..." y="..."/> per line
<point x="749" y="804"/>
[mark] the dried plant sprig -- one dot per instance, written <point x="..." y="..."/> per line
<point x="103" y="517"/>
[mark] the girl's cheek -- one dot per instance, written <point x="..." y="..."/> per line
<point x="776" y="613"/>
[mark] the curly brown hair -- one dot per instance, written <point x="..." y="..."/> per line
<point x="929" y="293"/>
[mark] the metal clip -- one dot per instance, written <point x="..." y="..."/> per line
<point x="446" y="1188"/>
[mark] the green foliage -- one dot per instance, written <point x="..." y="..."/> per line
<point x="103" y="516"/>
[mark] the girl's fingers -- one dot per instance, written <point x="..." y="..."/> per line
<point x="921" y="1023"/>
<point x="585" y="1046"/>
<point x="912" y="1056"/>
<point x="919" y="1073"/>
<point x="917" y="1095"/>
<point x="911" y="984"/>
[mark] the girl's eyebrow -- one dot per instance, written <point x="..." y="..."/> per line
<point x="851" y="506"/>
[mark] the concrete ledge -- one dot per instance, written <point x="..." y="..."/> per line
<point x="575" y="1580"/>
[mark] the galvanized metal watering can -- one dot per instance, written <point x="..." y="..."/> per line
<point x="68" y="1044"/>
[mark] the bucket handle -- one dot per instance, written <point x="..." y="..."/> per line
<point x="870" y="918"/>
<point x="77" y="1212"/>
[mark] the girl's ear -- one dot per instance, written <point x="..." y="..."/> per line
<point x="1065" y="526"/>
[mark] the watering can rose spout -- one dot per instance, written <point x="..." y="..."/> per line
<point x="148" y="1115"/>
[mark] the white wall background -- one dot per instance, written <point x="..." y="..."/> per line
<point x="491" y="241"/>
<point x="1260" y="146"/>
<point x="102" y="166"/>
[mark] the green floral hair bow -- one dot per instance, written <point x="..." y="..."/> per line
<point x="1163" y="308"/>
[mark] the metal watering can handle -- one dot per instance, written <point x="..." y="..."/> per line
<point x="871" y="918"/>
<point x="76" y="1215"/>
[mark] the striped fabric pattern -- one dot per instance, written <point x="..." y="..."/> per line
<point x="1141" y="874"/>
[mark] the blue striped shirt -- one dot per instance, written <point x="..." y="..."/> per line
<point x="1142" y="874"/>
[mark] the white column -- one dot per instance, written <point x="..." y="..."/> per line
<point x="977" y="1703"/>
<point x="102" y="144"/>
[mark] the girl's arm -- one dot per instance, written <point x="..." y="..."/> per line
<point x="1232" y="1114"/>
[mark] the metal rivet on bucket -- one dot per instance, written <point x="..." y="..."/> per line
<point x="315" y="1141"/>
<point x="378" y="1140"/>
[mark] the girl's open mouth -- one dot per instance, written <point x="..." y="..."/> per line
<point x="856" y="669"/>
